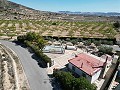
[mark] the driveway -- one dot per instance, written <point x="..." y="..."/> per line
<point x="37" y="76"/>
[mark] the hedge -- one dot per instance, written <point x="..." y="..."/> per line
<point x="39" y="53"/>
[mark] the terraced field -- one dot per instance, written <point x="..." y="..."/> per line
<point x="11" y="28"/>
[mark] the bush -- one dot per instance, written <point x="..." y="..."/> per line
<point x="54" y="23"/>
<point x="87" y="42"/>
<point x="69" y="82"/>
<point x="105" y="49"/>
<point x="97" y="43"/>
<point x="107" y="42"/>
<point x="38" y="52"/>
<point x="116" y="24"/>
<point x="21" y="38"/>
<point x="74" y="41"/>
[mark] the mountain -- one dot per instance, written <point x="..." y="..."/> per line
<point x="91" y="13"/>
<point x="11" y="10"/>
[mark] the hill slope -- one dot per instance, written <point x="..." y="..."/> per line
<point x="11" y="10"/>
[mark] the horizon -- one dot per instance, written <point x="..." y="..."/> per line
<point x="72" y="6"/>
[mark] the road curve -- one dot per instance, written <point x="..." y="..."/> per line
<point x="37" y="76"/>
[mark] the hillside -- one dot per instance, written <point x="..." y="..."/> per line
<point x="11" y="10"/>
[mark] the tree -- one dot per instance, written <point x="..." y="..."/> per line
<point x="97" y="43"/>
<point x="41" y="43"/>
<point x="21" y="38"/>
<point x="53" y="23"/>
<point x="31" y="36"/>
<point x="87" y="42"/>
<point x="36" y="43"/>
<point x="69" y="82"/>
<point x="105" y="49"/>
<point x="74" y="41"/>
<point x="116" y="25"/>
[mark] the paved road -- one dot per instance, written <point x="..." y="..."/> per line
<point x="37" y="76"/>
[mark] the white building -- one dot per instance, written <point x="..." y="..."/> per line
<point x="87" y="65"/>
<point x="70" y="46"/>
<point x="54" y="47"/>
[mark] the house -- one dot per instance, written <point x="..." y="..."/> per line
<point x="70" y="46"/>
<point x="87" y="65"/>
<point x="54" y="49"/>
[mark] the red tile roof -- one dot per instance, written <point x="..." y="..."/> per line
<point x="87" y="63"/>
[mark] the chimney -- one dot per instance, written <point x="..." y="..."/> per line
<point x="106" y="59"/>
<point x="81" y="65"/>
<point x="76" y="55"/>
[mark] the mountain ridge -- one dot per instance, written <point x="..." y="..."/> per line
<point x="91" y="13"/>
<point x="11" y="10"/>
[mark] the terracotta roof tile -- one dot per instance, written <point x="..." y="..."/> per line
<point x="87" y="63"/>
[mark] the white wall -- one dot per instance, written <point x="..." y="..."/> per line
<point x="71" y="47"/>
<point x="95" y="76"/>
<point x="79" y="72"/>
<point x="89" y="78"/>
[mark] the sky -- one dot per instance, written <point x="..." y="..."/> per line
<point x="72" y="5"/>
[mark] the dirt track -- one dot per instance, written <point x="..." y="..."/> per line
<point x="12" y="74"/>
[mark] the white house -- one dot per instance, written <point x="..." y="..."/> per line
<point x="70" y="46"/>
<point x="86" y="65"/>
<point x="54" y="49"/>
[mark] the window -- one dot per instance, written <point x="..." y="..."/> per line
<point x="73" y="68"/>
<point x="84" y="75"/>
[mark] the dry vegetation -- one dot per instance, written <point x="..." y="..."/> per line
<point x="13" y="28"/>
<point x="12" y="76"/>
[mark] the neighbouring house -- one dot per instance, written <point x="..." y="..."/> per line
<point x="70" y="46"/>
<point x="54" y="47"/>
<point x="87" y="65"/>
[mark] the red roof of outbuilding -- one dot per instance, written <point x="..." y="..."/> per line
<point x="87" y="63"/>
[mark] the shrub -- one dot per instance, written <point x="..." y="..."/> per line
<point x="69" y="82"/>
<point x="116" y="24"/>
<point x="105" y="49"/>
<point x="38" y="52"/>
<point x="54" y="23"/>
<point x="21" y="38"/>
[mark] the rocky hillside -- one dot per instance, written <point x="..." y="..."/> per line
<point x="11" y="10"/>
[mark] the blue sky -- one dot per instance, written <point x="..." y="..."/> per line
<point x="73" y="5"/>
